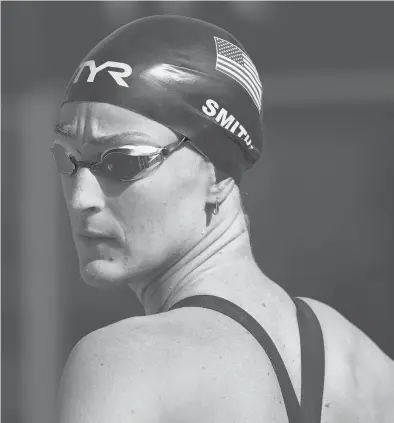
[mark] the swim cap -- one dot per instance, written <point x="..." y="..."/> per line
<point x="189" y="75"/>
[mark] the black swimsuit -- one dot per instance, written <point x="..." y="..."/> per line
<point x="312" y="354"/>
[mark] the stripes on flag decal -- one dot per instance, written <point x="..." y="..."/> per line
<point x="233" y="62"/>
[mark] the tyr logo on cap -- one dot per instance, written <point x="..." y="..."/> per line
<point x="124" y="72"/>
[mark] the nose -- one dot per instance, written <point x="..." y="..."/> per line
<point x="83" y="192"/>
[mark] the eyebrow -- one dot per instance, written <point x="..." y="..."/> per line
<point x="115" y="139"/>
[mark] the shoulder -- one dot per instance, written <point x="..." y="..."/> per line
<point x="131" y="369"/>
<point x="152" y="368"/>
<point x="113" y="374"/>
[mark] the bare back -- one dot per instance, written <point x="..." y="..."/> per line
<point x="359" y="380"/>
<point x="195" y="365"/>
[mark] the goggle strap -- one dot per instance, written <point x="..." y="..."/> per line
<point x="148" y="161"/>
<point x="166" y="151"/>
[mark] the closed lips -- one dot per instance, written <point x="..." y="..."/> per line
<point x="95" y="235"/>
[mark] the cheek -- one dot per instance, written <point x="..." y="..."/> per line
<point x="159" y="213"/>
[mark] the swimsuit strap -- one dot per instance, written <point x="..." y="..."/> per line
<point x="249" y="323"/>
<point x="312" y="363"/>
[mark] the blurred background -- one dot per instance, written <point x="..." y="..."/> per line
<point x="320" y="200"/>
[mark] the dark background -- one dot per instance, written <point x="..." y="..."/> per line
<point x="320" y="200"/>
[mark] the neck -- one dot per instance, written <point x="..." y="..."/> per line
<point x="226" y="245"/>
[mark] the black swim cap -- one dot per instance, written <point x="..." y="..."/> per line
<point x="186" y="74"/>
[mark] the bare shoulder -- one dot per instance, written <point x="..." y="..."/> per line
<point x="113" y="374"/>
<point x="355" y="364"/>
<point x="137" y="369"/>
<point x="159" y="368"/>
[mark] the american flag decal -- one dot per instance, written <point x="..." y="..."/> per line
<point x="233" y="62"/>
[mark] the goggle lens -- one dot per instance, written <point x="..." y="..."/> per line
<point x="65" y="161"/>
<point x="118" y="166"/>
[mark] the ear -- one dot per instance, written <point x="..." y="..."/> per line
<point x="219" y="191"/>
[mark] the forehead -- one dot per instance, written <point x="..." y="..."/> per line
<point x="88" y="122"/>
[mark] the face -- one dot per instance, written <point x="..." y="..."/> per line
<point x="130" y="232"/>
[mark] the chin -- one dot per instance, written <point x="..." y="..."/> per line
<point x="104" y="274"/>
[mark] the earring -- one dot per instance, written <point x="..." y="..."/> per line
<point x="216" y="210"/>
